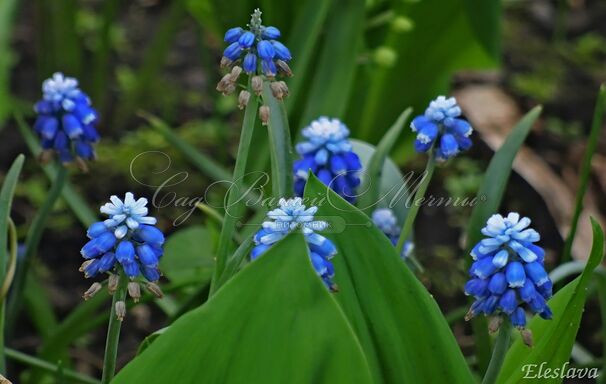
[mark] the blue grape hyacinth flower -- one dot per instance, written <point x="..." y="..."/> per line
<point x="441" y="129"/>
<point x="328" y="153"/>
<point x="257" y="47"/>
<point x="66" y="120"/>
<point x="387" y="222"/>
<point x="128" y="238"/>
<point x="508" y="273"/>
<point x="292" y="214"/>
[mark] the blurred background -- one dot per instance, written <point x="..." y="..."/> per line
<point x="363" y="61"/>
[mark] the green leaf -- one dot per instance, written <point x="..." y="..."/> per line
<point x="496" y="177"/>
<point x="553" y="339"/>
<point x="373" y="170"/>
<point x="205" y="164"/>
<point x="485" y="19"/>
<point x="7" y="13"/>
<point x="489" y="197"/>
<point x="392" y="191"/>
<point x="280" y="145"/>
<point x="425" y="62"/>
<point x="6" y="200"/>
<point x="275" y="322"/>
<point x="400" y="327"/>
<point x="592" y="143"/>
<point x="71" y="197"/>
<point x="336" y="66"/>
<point x="182" y="262"/>
<point x="303" y="38"/>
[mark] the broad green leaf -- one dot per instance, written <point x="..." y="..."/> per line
<point x="490" y="195"/>
<point x="71" y="197"/>
<point x="274" y="322"/>
<point x="184" y="262"/>
<point x="392" y="189"/>
<point x="280" y="146"/>
<point x="592" y="143"/>
<point x="400" y="327"/>
<point x="553" y="339"/>
<point x="485" y="19"/>
<point x="336" y="67"/>
<point x="373" y="170"/>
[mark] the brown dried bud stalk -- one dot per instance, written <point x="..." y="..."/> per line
<point x="283" y="68"/>
<point x="243" y="99"/>
<point x="526" y="336"/>
<point x="112" y="283"/>
<point x="225" y="62"/>
<point x="155" y="290"/>
<point x="264" y="114"/>
<point x="235" y="73"/>
<point x="134" y="290"/>
<point x="120" y="310"/>
<point x="85" y="264"/>
<point x="257" y="85"/>
<point x="495" y="324"/>
<point x="92" y="291"/>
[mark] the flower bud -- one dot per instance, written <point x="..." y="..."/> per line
<point x="385" y="57"/>
<point x="264" y="114"/>
<point x="225" y="62"/>
<point x="155" y="290"/>
<point x="495" y="324"/>
<point x="279" y="89"/>
<point x="402" y="24"/>
<point x="120" y="310"/>
<point x="112" y="283"/>
<point x="224" y="83"/>
<point x="526" y="336"/>
<point x="243" y="99"/>
<point x="92" y="291"/>
<point x="134" y="291"/>
<point x="257" y="85"/>
<point x="284" y="68"/>
<point x="45" y="156"/>
<point x="229" y="89"/>
<point x="81" y="164"/>
<point x="235" y="73"/>
<point x="85" y="264"/>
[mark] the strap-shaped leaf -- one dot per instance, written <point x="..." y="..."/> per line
<point x="400" y="327"/>
<point x="275" y="322"/>
<point x="554" y="338"/>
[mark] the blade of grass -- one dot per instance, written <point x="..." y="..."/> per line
<point x="592" y="143"/>
<point x="72" y="198"/>
<point x="280" y="146"/>
<point x="32" y="361"/>
<point x="7" y="13"/>
<point x="6" y="200"/>
<point x="152" y="62"/>
<point x="100" y="67"/>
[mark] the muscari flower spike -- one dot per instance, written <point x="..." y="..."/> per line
<point x="127" y="239"/>
<point x="387" y="222"/>
<point x="441" y="128"/>
<point x="66" y="121"/>
<point x="290" y="215"/>
<point x="328" y="153"/>
<point x="508" y="274"/>
<point x="257" y="47"/>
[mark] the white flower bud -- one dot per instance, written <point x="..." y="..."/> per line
<point x="120" y="310"/>
<point x="134" y="290"/>
<point x="92" y="291"/>
<point x="264" y="114"/>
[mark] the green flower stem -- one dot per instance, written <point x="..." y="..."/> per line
<point x="31" y="246"/>
<point x="498" y="354"/>
<point x="414" y="209"/>
<point x="233" y="208"/>
<point x="113" y="333"/>
<point x="45" y="365"/>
